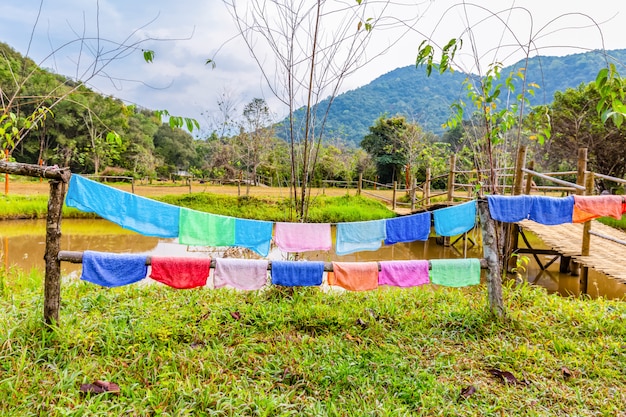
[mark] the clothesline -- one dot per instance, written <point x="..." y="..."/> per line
<point x="76" y="257"/>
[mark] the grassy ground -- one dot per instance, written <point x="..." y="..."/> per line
<point x="389" y="352"/>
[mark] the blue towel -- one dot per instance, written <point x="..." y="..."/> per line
<point x="254" y="234"/>
<point x="297" y="274"/>
<point x="142" y="215"/>
<point x="455" y="272"/>
<point x="113" y="269"/>
<point x="509" y="209"/>
<point x="455" y="220"/>
<point x="360" y="236"/>
<point x="552" y="210"/>
<point x="407" y="228"/>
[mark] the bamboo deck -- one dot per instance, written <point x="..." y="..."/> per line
<point x="605" y="256"/>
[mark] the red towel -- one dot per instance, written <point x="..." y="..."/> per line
<point x="181" y="272"/>
<point x="591" y="207"/>
<point x="354" y="276"/>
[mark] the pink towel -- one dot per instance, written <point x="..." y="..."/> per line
<point x="181" y="272"/>
<point x="245" y="274"/>
<point x="593" y="206"/>
<point x="403" y="273"/>
<point x="302" y="237"/>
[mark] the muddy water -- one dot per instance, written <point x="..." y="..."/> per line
<point x="22" y="245"/>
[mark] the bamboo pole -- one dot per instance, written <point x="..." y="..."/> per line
<point x="529" y="178"/>
<point x="395" y="188"/>
<point x="426" y="193"/>
<point x="586" y="244"/>
<point x="451" y="177"/>
<point x="490" y="251"/>
<point x="52" y="285"/>
<point x="581" y="168"/>
<point x="413" y="190"/>
<point x="519" y="173"/>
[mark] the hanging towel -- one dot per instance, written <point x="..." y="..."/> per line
<point x="297" y="274"/>
<point x="113" y="269"/>
<point x="403" y="273"/>
<point x="455" y="220"/>
<point x="354" y="276"/>
<point x="140" y="214"/>
<point x="245" y="274"/>
<point x="407" y="228"/>
<point x="509" y="209"/>
<point x="455" y="272"/>
<point x="206" y="229"/>
<point x="255" y="235"/>
<point x="302" y="237"/>
<point x="180" y="273"/>
<point x="591" y="207"/>
<point x="552" y="210"/>
<point x="360" y="236"/>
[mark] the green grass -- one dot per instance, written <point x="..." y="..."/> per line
<point x="302" y="352"/>
<point x="618" y="224"/>
<point x="32" y="207"/>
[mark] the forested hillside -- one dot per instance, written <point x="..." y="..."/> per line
<point x="426" y="100"/>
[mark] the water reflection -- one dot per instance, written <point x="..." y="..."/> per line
<point x="23" y="246"/>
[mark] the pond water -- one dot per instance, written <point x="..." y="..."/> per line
<point x="22" y="244"/>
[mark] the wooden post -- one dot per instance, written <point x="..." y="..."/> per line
<point x="519" y="174"/>
<point x="393" y="202"/>
<point x="426" y="194"/>
<point x="581" y="168"/>
<point x="529" y="178"/>
<point x="451" y="177"/>
<point x="586" y="245"/>
<point x="490" y="250"/>
<point x="6" y="175"/>
<point x="360" y="184"/>
<point x="413" y="187"/>
<point x="52" y="285"/>
<point x="132" y="185"/>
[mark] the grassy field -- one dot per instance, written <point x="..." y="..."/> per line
<point x="303" y="352"/>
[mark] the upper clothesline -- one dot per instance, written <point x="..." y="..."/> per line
<point x="191" y="227"/>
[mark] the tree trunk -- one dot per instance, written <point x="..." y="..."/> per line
<point x="491" y="254"/>
<point x="52" y="286"/>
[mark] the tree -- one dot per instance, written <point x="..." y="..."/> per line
<point x="255" y="137"/>
<point x="386" y="144"/>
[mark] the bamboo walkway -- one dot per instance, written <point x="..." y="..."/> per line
<point x="605" y="256"/>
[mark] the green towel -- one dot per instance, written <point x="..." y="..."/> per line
<point x="205" y="229"/>
<point x="455" y="272"/>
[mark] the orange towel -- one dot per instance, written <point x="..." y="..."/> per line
<point x="354" y="276"/>
<point x="594" y="206"/>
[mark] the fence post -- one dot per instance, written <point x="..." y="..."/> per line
<point x="393" y="201"/>
<point x="581" y="168"/>
<point x="360" y="184"/>
<point x="52" y="284"/>
<point x="519" y="174"/>
<point x="490" y="251"/>
<point x="413" y="189"/>
<point x="426" y="191"/>
<point x="6" y="174"/>
<point x="451" y="177"/>
<point x="586" y="244"/>
<point x="132" y="185"/>
<point x="529" y="178"/>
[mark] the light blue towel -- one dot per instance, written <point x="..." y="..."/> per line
<point x="509" y="209"/>
<point x="140" y="214"/>
<point x="455" y="220"/>
<point x="297" y="274"/>
<point x="407" y="228"/>
<point x="360" y="236"/>
<point x="254" y="234"/>
<point x="552" y="210"/>
<point x="113" y="269"/>
<point x="455" y="272"/>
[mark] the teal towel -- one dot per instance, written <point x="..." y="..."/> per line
<point x="206" y="229"/>
<point x="455" y="220"/>
<point x="455" y="272"/>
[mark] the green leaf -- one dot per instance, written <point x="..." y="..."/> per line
<point x="212" y="62"/>
<point x="148" y="55"/>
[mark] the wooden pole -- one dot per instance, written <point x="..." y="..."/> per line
<point x="413" y="189"/>
<point x="586" y="245"/>
<point x="6" y="175"/>
<point x="519" y="174"/>
<point x="52" y="285"/>
<point x="395" y="188"/>
<point x="451" y="177"/>
<point x="360" y="184"/>
<point x="529" y="178"/>
<point x="426" y="195"/>
<point x="490" y="250"/>
<point x="581" y="168"/>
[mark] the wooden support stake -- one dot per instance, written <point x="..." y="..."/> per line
<point x="413" y="190"/>
<point x="395" y="188"/>
<point x="520" y="162"/>
<point x="52" y="285"/>
<point x="426" y="195"/>
<point x="529" y="178"/>
<point x="360" y="184"/>
<point x="451" y="177"/>
<point x="490" y="250"/>
<point x="581" y="168"/>
<point x="587" y="225"/>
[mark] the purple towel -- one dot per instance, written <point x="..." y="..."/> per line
<point x="552" y="210"/>
<point x="297" y="274"/>
<point x="455" y="220"/>
<point x="113" y="269"/>
<point x="407" y="228"/>
<point x="403" y="273"/>
<point x="509" y="209"/>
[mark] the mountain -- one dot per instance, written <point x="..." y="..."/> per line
<point x="409" y="91"/>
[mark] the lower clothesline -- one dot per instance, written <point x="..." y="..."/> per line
<point x="76" y="257"/>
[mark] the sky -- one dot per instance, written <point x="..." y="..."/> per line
<point x="185" y="33"/>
